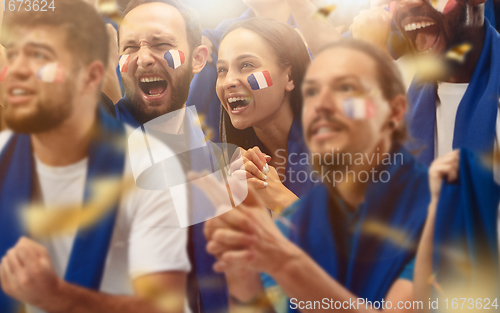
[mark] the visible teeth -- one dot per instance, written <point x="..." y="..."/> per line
<point x="19" y="92"/>
<point x="414" y="26"/>
<point x="234" y="99"/>
<point x="151" y="79"/>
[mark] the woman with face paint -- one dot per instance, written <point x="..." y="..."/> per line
<point x="260" y="69"/>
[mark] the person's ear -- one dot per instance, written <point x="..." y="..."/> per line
<point x="94" y="77"/>
<point x="200" y="56"/>
<point x="290" y="85"/>
<point x="398" y="105"/>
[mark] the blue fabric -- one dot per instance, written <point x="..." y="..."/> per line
<point x="490" y="13"/>
<point x="477" y="112"/>
<point x="297" y="151"/>
<point x="90" y="248"/>
<point x="364" y="263"/>
<point x="465" y="234"/>
<point x="124" y="115"/>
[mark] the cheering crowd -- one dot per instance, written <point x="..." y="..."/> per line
<point x="275" y="163"/>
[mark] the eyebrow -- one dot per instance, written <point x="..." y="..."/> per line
<point x="154" y="39"/>
<point x="36" y="45"/>
<point x="314" y="81"/>
<point x="240" y="57"/>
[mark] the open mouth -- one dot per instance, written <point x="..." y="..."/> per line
<point x="423" y="34"/>
<point x="238" y="103"/>
<point x="153" y="86"/>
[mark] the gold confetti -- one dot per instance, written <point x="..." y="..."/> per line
<point x="458" y="53"/>
<point x="324" y="12"/>
<point x="153" y="290"/>
<point x="430" y="68"/>
<point x="41" y="222"/>
<point x="111" y="10"/>
<point x="433" y="282"/>
<point x="378" y="229"/>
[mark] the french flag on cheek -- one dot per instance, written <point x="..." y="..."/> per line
<point x="51" y="73"/>
<point x="260" y="80"/>
<point x="175" y="58"/>
<point x="123" y="63"/>
<point x="359" y="108"/>
<point x="3" y="73"/>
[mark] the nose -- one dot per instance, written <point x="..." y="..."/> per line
<point x="326" y="102"/>
<point x="145" y="58"/>
<point x="408" y="4"/>
<point x="231" y="80"/>
<point x="19" y="67"/>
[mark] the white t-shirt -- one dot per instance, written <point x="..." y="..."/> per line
<point x="143" y="240"/>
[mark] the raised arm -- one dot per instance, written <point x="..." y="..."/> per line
<point x="445" y="167"/>
<point x="317" y="32"/>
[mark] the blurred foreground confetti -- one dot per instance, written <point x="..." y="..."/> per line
<point x="111" y="10"/>
<point x="459" y="52"/>
<point x="324" y="12"/>
<point x="41" y="222"/>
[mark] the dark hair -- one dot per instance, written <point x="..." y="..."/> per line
<point x="388" y="75"/>
<point x="193" y="25"/>
<point x="86" y="35"/>
<point x="290" y="51"/>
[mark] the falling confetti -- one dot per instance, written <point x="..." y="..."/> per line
<point x="40" y="222"/>
<point x="324" y="12"/>
<point x="433" y="282"/>
<point x="111" y="10"/>
<point x="381" y="230"/>
<point x="429" y="67"/>
<point x="458" y="53"/>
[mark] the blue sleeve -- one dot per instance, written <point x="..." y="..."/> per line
<point x="407" y="272"/>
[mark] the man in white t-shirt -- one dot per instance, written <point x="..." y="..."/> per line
<point x="460" y="110"/>
<point x="55" y="66"/>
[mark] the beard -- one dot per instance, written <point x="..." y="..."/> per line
<point x="179" y="93"/>
<point x="48" y="113"/>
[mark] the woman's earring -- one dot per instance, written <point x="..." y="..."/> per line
<point x="392" y="125"/>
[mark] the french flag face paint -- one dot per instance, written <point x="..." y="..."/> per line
<point x="3" y="73"/>
<point x="359" y="108"/>
<point x="444" y="6"/>
<point x="260" y="80"/>
<point x="123" y="63"/>
<point x="175" y="58"/>
<point x="51" y="73"/>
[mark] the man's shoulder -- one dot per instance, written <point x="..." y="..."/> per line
<point x="4" y="138"/>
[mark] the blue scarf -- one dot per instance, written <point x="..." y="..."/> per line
<point x="364" y="263"/>
<point x="90" y="248"/>
<point x="465" y="235"/>
<point x="477" y="112"/>
<point x="208" y="288"/>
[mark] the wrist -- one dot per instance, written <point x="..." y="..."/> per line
<point x="59" y="300"/>
<point x="293" y="256"/>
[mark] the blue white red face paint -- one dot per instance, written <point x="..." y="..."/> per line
<point x="51" y="73"/>
<point x="260" y="80"/>
<point x="123" y="63"/>
<point x="3" y="73"/>
<point x="175" y="58"/>
<point x="359" y="108"/>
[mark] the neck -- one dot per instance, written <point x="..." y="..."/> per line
<point x="278" y="11"/>
<point x="352" y="188"/>
<point x="463" y="73"/>
<point x="68" y="143"/>
<point x="273" y="132"/>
